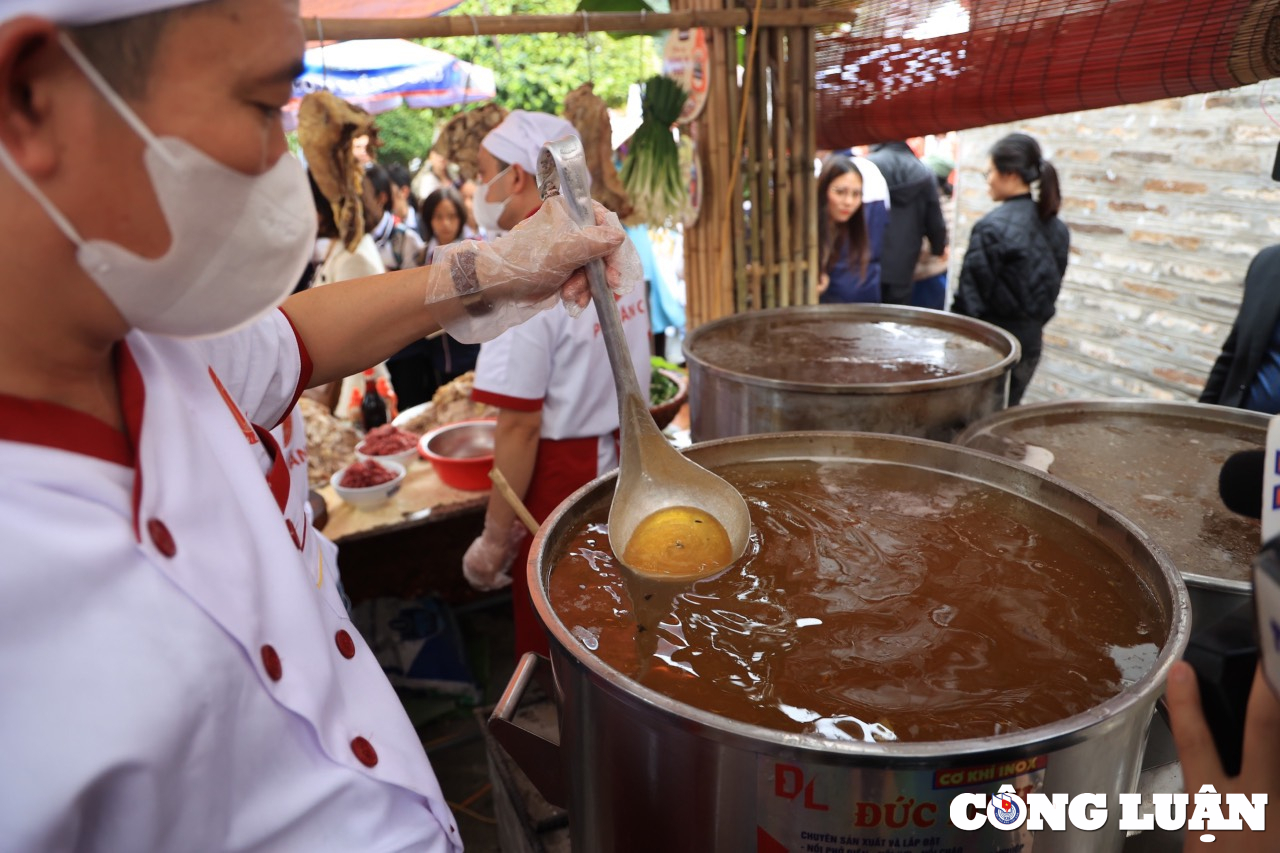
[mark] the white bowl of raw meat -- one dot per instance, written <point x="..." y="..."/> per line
<point x="368" y="483"/>
<point x="389" y="443"/>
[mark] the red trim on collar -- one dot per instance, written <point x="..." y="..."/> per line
<point x="502" y="401"/>
<point x="133" y="398"/>
<point x="304" y="375"/>
<point x="56" y="426"/>
<point x="278" y="476"/>
<point x="246" y="428"/>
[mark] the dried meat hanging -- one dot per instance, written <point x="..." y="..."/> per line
<point x="913" y="67"/>
<point x="459" y="140"/>
<point x="589" y="115"/>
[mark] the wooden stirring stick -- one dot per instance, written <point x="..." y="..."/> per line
<point x="510" y="496"/>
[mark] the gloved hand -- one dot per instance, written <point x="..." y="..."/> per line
<point x="487" y="563"/>
<point x="479" y="290"/>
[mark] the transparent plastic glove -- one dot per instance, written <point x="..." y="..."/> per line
<point x="487" y="563"/>
<point x="479" y="290"/>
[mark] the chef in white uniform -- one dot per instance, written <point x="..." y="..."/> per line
<point x="549" y="378"/>
<point x="178" y="671"/>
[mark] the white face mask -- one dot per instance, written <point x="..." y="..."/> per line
<point x="487" y="213"/>
<point x="238" y="242"/>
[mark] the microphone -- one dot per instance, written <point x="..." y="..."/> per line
<point x="1240" y="482"/>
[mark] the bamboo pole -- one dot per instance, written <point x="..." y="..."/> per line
<point x="713" y="123"/>
<point x="721" y="257"/>
<point x="699" y="300"/>
<point x="796" y="158"/>
<point x="738" y="295"/>
<point x="694" y="245"/>
<point x="811" y="181"/>
<point x="757" y="154"/>
<point x="768" y="193"/>
<point x="781" y="167"/>
<point x="445" y="26"/>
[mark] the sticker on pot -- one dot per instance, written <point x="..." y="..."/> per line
<point x="815" y="808"/>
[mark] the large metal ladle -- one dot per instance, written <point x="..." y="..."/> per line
<point x="652" y="474"/>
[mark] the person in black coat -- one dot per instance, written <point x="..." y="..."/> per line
<point x="914" y="214"/>
<point x="1247" y="372"/>
<point x="1017" y="253"/>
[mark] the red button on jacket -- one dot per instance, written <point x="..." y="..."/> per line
<point x="271" y="663"/>
<point x="161" y="537"/>
<point x="346" y="645"/>
<point x="364" y="751"/>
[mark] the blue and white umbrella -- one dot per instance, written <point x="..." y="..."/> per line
<point x="381" y="74"/>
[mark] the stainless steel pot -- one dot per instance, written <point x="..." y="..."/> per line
<point x="792" y="369"/>
<point x="1157" y="463"/>
<point x="646" y="772"/>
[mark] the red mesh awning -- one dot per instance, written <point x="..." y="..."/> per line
<point x="375" y="8"/>
<point x="892" y="77"/>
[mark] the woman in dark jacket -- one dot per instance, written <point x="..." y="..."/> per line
<point x="1247" y="372"/>
<point x="1017" y="253"/>
<point x="849" y="253"/>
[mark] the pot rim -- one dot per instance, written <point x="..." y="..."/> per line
<point x="1131" y="406"/>
<point x="990" y="334"/>
<point x="1042" y="739"/>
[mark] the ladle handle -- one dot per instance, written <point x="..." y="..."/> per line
<point x="615" y="339"/>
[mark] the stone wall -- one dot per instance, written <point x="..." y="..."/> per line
<point x="1167" y="203"/>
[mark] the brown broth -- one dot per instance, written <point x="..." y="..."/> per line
<point x="875" y="602"/>
<point x="839" y="371"/>
<point x="832" y="349"/>
<point x="1160" y="470"/>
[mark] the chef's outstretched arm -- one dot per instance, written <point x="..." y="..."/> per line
<point x="476" y="291"/>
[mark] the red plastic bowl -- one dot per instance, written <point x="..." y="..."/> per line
<point x="461" y="453"/>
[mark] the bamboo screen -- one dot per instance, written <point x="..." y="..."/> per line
<point x="912" y="67"/>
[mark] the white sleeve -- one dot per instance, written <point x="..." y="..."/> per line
<point x="514" y="369"/>
<point x="264" y="367"/>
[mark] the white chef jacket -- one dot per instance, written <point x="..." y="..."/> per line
<point x="176" y="677"/>
<point x="319" y="555"/>
<point x="341" y="265"/>
<point x="557" y="364"/>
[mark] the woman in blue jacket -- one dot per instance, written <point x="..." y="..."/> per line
<point x="1017" y="253"/>
<point x="850" y="230"/>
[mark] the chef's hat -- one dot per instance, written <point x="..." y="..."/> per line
<point x="81" y="12"/>
<point x="520" y="137"/>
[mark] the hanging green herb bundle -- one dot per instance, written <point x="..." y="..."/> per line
<point x="651" y="173"/>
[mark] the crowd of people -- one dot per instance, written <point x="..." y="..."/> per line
<point x="882" y="238"/>
<point x="182" y="671"/>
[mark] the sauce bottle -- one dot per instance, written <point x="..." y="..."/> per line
<point x="389" y="394"/>
<point x="373" y="410"/>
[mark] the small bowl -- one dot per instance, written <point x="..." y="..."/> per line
<point x="461" y="453"/>
<point x="370" y="496"/>
<point x="404" y="457"/>
<point x="664" y="413"/>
